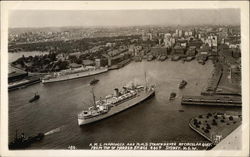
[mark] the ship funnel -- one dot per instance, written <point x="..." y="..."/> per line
<point x="133" y="85"/>
<point x="116" y="92"/>
<point x="125" y="89"/>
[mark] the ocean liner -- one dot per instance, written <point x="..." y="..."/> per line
<point x="73" y="73"/>
<point x="115" y="103"/>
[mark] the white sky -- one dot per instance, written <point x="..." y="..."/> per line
<point x="49" y="18"/>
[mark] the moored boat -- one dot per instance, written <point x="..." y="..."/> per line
<point x="69" y="74"/>
<point x="182" y="84"/>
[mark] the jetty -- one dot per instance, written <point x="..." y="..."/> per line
<point x="212" y="100"/>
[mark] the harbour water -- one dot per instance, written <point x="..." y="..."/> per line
<point x="155" y="120"/>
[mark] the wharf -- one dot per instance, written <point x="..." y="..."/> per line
<point x="119" y="65"/>
<point x="30" y="80"/>
<point x="212" y="100"/>
<point x="214" y="80"/>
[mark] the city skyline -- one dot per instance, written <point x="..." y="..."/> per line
<point x="175" y="17"/>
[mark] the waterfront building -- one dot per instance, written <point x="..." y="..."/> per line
<point x="186" y="33"/>
<point x="212" y="41"/>
<point x="175" y="35"/>
<point x="191" y="51"/>
<point x="168" y="40"/>
<point x="110" y="44"/>
<point x="177" y="32"/>
<point x="180" y="33"/>
<point x="74" y="65"/>
<point x="98" y="63"/>
<point x="199" y="36"/>
<point x="167" y="35"/>
<point x="182" y="43"/>
<point x="172" y="41"/>
<point x="178" y="50"/>
<point x="147" y="36"/>
<point x="135" y="50"/>
<point x="236" y="53"/>
<point x="234" y="71"/>
<point x="196" y="43"/>
<point x="87" y="62"/>
<point x="62" y="57"/>
<point x="157" y="51"/>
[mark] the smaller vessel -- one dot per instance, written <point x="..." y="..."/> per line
<point x="182" y="84"/>
<point x="150" y="57"/>
<point x="23" y="142"/>
<point x="74" y="73"/>
<point x="163" y="58"/>
<point x="183" y="60"/>
<point x="94" y="81"/>
<point x="175" y="58"/>
<point x="36" y="97"/>
<point x="172" y="96"/>
<point x="190" y="58"/>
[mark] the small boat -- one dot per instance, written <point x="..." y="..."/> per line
<point x="150" y="57"/>
<point x="163" y="58"/>
<point x="36" y="97"/>
<point x="23" y="142"/>
<point x="182" y="84"/>
<point x="190" y="58"/>
<point x="94" y="81"/>
<point x="175" y="58"/>
<point x="183" y="60"/>
<point x="172" y="96"/>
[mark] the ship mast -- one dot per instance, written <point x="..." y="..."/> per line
<point x="146" y="84"/>
<point x="93" y="94"/>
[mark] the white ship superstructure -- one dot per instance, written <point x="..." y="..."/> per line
<point x="73" y="73"/>
<point x="115" y="103"/>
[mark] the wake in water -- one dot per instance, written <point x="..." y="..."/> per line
<point x="54" y="130"/>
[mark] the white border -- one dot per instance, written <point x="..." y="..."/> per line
<point x="121" y="5"/>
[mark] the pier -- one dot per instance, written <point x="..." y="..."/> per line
<point x="212" y="100"/>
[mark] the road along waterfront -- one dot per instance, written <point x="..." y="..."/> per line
<point x="160" y="119"/>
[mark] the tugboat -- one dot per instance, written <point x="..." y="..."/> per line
<point x="23" y="142"/>
<point x="94" y="81"/>
<point x="36" y="97"/>
<point x="182" y="84"/>
<point x="172" y="96"/>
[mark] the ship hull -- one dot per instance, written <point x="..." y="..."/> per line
<point x="119" y="108"/>
<point x="75" y="76"/>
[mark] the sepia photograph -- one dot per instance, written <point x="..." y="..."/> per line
<point x="160" y="79"/>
